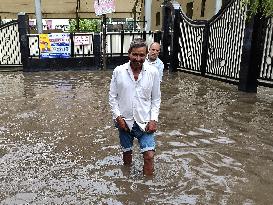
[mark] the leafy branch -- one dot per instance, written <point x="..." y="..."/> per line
<point x="263" y="6"/>
<point x="85" y="25"/>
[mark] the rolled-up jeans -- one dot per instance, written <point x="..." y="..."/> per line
<point x="146" y="140"/>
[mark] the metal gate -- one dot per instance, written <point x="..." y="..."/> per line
<point x="10" y="54"/>
<point x="226" y="34"/>
<point x="266" y="73"/>
<point x="212" y="48"/>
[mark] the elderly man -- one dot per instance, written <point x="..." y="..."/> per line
<point x="152" y="58"/>
<point x="135" y="98"/>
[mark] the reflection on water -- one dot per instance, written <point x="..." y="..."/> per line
<point x="58" y="144"/>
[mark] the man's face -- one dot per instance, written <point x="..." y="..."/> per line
<point x="154" y="51"/>
<point x="137" y="57"/>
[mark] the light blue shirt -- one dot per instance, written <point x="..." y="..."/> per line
<point x="135" y="100"/>
<point x="158" y="64"/>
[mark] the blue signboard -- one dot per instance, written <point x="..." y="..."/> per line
<point x="55" y="45"/>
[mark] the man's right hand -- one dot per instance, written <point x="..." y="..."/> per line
<point x="122" y="124"/>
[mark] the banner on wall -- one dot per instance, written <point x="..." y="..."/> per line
<point x="104" y="7"/>
<point x="54" y="45"/>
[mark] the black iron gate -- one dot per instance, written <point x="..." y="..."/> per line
<point x="226" y="32"/>
<point x="212" y="48"/>
<point x="10" y="54"/>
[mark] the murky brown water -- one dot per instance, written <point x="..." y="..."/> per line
<point x="58" y="144"/>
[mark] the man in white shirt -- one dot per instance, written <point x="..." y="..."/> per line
<point x="135" y="98"/>
<point x="152" y="58"/>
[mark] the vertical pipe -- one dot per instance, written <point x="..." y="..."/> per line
<point x="148" y="16"/>
<point x="218" y="5"/>
<point x="38" y="13"/>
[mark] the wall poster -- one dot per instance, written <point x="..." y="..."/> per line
<point x="55" y="45"/>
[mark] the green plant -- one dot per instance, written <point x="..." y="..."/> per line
<point x="85" y="25"/>
<point x="263" y="6"/>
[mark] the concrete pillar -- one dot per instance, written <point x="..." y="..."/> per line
<point x="38" y="13"/>
<point x="148" y="16"/>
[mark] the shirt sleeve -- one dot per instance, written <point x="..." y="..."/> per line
<point x="113" y="96"/>
<point x="156" y="97"/>
<point x="161" y="68"/>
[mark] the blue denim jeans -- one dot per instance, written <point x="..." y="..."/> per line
<point x="146" y="140"/>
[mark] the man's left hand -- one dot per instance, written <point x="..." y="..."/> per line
<point x="151" y="127"/>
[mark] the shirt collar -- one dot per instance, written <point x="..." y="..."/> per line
<point x="152" y="62"/>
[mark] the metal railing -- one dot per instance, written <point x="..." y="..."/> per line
<point x="118" y="42"/>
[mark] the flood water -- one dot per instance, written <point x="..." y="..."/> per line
<point x="58" y="144"/>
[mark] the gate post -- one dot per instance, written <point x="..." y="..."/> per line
<point x="121" y="42"/>
<point x="144" y="35"/>
<point x="23" y="28"/>
<point x="157" y="36"/>
<point x="72" y="45"/>
<point x="166" y="33"/>
<point x="205" y="49"/>
<point x="252" y="53"/>
<point x="174" y="62"/>
<point x="97" y="50"/>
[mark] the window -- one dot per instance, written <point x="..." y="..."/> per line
<point x="203" y="6"/>
<point x="189" y="9"/>
<point x="157" y="19"/>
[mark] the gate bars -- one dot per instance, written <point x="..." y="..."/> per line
<point x="212" y="47"/>
<point x="267" y="59"/>
<point x="226" y="47"/>
<point x="9" y="45"/>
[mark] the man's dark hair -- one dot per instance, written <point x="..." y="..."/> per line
<point x="138" y="43"/>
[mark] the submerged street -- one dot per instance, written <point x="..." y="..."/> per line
<point x="58" y="144"/>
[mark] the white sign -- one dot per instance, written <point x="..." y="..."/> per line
<point x="81" y="40"/>
<point x="104" y="6"/>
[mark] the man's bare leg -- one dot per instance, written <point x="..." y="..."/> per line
<point x="127" y="158"/>
<point x="148" y="168"/>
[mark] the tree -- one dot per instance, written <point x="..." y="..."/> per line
<point x="263" y="6"/>
<point x="85" y="25"/>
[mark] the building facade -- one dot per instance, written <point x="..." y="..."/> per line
<point x="194" y="9"/>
